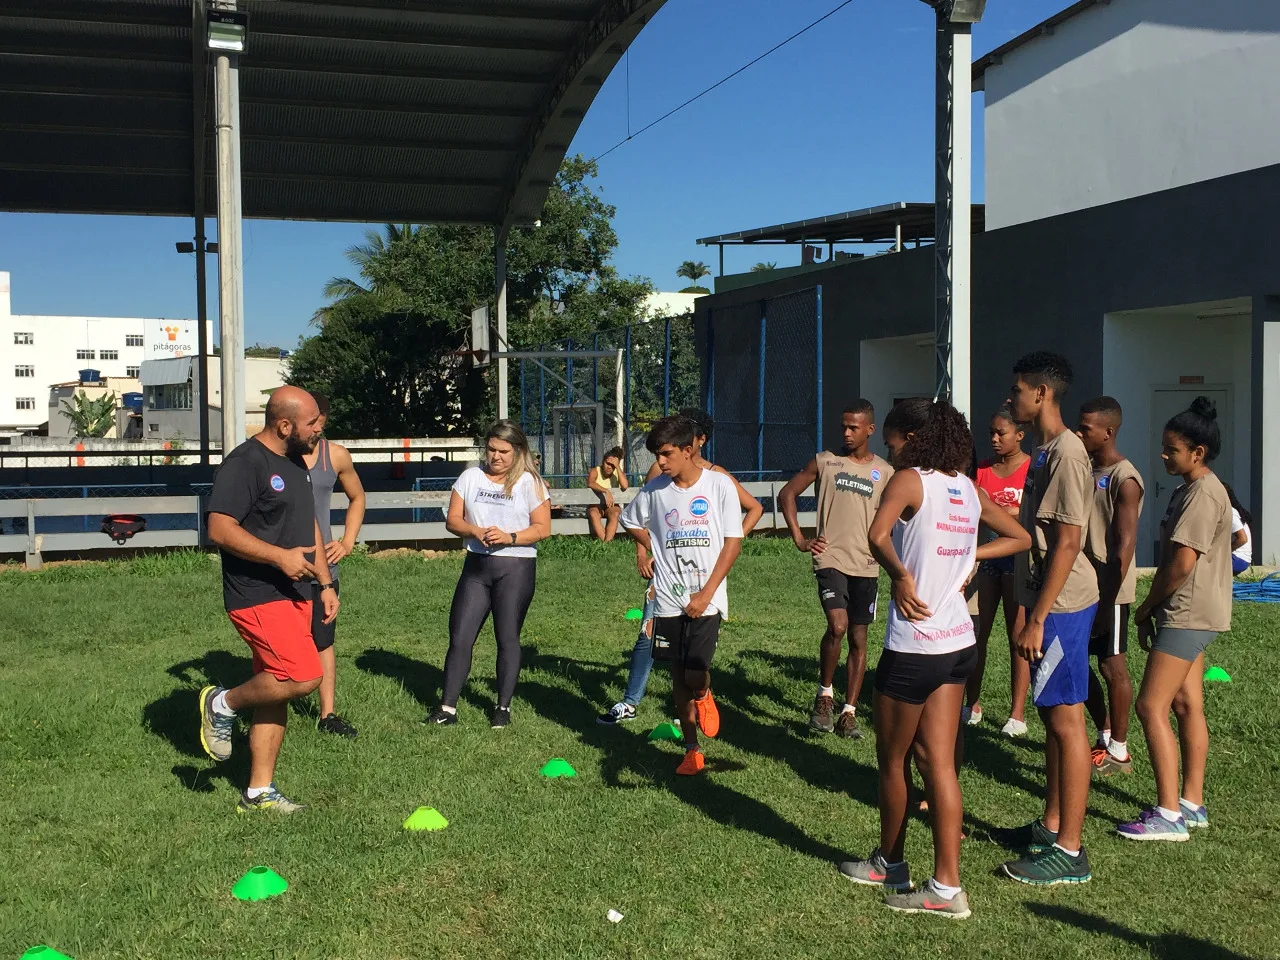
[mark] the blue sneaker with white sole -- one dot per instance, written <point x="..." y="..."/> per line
<point x="1150" y="825"/>
<point x="1197" y="817"/>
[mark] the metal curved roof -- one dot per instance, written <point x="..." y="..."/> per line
<point x="421" y="111"/>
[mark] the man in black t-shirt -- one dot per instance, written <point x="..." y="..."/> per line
<point x="262" y="517"/>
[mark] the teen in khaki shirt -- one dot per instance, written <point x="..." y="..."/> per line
<point x="1189" y="604"/>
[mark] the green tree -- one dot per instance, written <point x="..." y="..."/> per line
<point x="764" y="267"/>
<point x="693" y="270"/>
<point x="263" y="350"/>
<point x="90" y="418"/>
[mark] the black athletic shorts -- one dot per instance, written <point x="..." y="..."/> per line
<point x="857" y="595"/>
<point x="686" y="641"/>
<point x="913" y="677"/>
<point x="322" y="633"/>
<point x="1110" y="639"/>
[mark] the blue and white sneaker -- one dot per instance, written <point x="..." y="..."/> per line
<point x="1196" y="817"/>
<point x="1150" y="825"/>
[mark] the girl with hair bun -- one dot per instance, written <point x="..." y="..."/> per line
<point x="925" y="535"/>
<point x="1188" y="605"/>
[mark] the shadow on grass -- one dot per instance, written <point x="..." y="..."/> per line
<point x="1162" y="946"/>
<point x="421" y="680"/>
<point x="175" y="717"/>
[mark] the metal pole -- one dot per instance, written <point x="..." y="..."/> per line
<point x="666" y="374"/>
<point x="522" y="392"/>
<point x="595" y="369"/>
<point x="818" y="364"/>
<point x="720" y="247"/>
<point x="897" y="237"/>
<point x="760" y="396"/>
<point x="953" y="135"/>
<point x="568" y="399"/>
<point x="199" y="66"/>
<point x="619" y="402"/>
<point x="626" y="402"/>
<point x="542" y="406"/>
<point x="230" y="264"/>
<point x="500" y="280"/>
<point x="709" y="400"/>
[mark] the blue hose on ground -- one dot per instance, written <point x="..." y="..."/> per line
<point x="1266" y="590"/>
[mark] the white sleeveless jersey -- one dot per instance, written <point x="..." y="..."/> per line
<point x="937" y="546"/>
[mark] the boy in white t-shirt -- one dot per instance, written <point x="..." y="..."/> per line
<point x="689" y="520"/>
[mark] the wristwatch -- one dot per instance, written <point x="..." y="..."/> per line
<point x="326" y="586"/>
<point x="513" y="539"/>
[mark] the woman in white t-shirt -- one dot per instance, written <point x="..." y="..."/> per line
<point x="502" y="509"/>
<point x="925" y="536"/>
<point x="1241" y="536"/>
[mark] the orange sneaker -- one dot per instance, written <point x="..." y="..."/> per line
<point x="708" y="715"/>
<point x="1098" y="755"/>
<point x="692" y="763"/>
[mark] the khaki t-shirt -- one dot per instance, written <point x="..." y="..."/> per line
<point x="1199" y="517"/>
<point x="848" y="496"/>
<point x="1059" y="486"/>
<point x="1100" y="541"/>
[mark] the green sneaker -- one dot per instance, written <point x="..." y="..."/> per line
<point x="1032" y="837"/>
<point x="270" y="799"/>
<point x="1049" y="867"/>
<point x="925" y="900"/>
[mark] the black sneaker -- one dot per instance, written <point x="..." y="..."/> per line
<point x="619" y="713"/>
<point x="1049" y="867"/>
<point x="439" y="717"/>
<point x="500" y="717"/>
<point x="1033" y="837"/>
<point x="337" y="726"/>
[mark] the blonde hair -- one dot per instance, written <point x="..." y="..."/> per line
<point x="523" y="462"/>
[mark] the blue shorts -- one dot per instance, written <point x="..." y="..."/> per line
<point x="1238" y="566"/>
<point x="1061" y="676"/>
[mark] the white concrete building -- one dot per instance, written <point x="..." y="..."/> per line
<point x="37" y="352"/>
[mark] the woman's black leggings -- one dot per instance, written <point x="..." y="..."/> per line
<point x="502" y="586"/>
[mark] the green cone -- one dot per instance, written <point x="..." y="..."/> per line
<point x="426" y="818"/>
<point x="635" y="613"/>
<point x="558" y="768"/>
<point x="44" y="953"/>
<point x="1217" y="674"/>
<point x="259" y="884"/>
<point x="666" y="731"/>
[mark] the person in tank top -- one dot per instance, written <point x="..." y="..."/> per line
<point x="1110" y="543"/>
<point x="603" y="480"/>
<point x="330" y="465"/>
<point x="925" y="535"/>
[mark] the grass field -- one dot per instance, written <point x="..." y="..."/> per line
<point x="118" y="838"/>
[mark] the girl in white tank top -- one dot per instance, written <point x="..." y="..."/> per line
<point x="925" y="536"/>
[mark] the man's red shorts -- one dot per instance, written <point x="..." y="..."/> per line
<point x="279" y="634"/>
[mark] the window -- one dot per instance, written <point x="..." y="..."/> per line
<point x="85" y="355"/>
<point x="109" y="355"/>
<point x="134" y="372"/>
<point x="170" y="396"/>
<point x="133" y="340"/>
<point x="24" y="339"/>
<point x="24" y="370"/>
<point x="153" y="428"/>
<point x="25" y="403"/>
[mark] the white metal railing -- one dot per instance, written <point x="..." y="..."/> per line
<point x="34" y="544"/>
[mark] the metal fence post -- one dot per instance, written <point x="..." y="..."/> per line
<point x="760" y="397"/>
<point x="568" y="399"/>
<point x="542" y="407"/>
<point x="709" y="400"/>
<point x="626" y="397"/>
<point x="595" y="369"/>
<point x="818" y="351"/>
<point x="33" y="560"/>
<point x="522" y="400"/>
<point x="666" y="372"/>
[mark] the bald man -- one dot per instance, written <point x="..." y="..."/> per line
<point x="262" y="517"/>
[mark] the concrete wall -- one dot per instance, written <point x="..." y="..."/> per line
<point x="1129" y="98"/>
<point x="895" y="368"/>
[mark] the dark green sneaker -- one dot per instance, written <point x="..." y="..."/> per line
<point x="1049" y="867"/>
<point x="1033" y="837"/>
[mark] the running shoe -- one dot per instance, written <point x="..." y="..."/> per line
<point x="847" y="725"/>
<point x="971" y="716"/>
<point x="1196" y="817"/>
<point x="1014" y="728"/>
<point x="1049" y="867"/>
<point x="692" y="763"/>
<point x="1110" y="764"/>
<point x="270" y="799"/>
<point x="439" y="717"/>
<point x="822" y="718"/>
<point x="1033" y="837"/>
<point x="1097" y="755"/>
<point x="925" y="900"/>
<point x="1150" y="825"/>
<point x="215" y="729"/>
<point x="708" y="715"/>
<point x="500" y="717"/>
<point x="875" y="871"/>
<point x="336" y="725"/>
<point x="619" y="713"/>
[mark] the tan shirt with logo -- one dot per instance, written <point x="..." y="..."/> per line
<point x="1059" y="488"/>
<point x="1199" y="517"/>
<point x="1100" y="541"/>
<point x="848" y="496"/>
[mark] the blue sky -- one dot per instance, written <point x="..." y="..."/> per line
<point x="840" y="119"/>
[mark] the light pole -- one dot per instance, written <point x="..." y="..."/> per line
<point x="200" y="247"/>
<point x="953" y="147"/>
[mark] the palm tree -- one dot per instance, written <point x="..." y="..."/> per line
<point x="90" y="418"/>
<point x="362" y="256"/>
<point x="763" y="267"/>
<point x="694" y="270"/>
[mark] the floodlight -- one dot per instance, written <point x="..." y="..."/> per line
<point x="228" y="30"/>
<point x="960" y="11"/>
